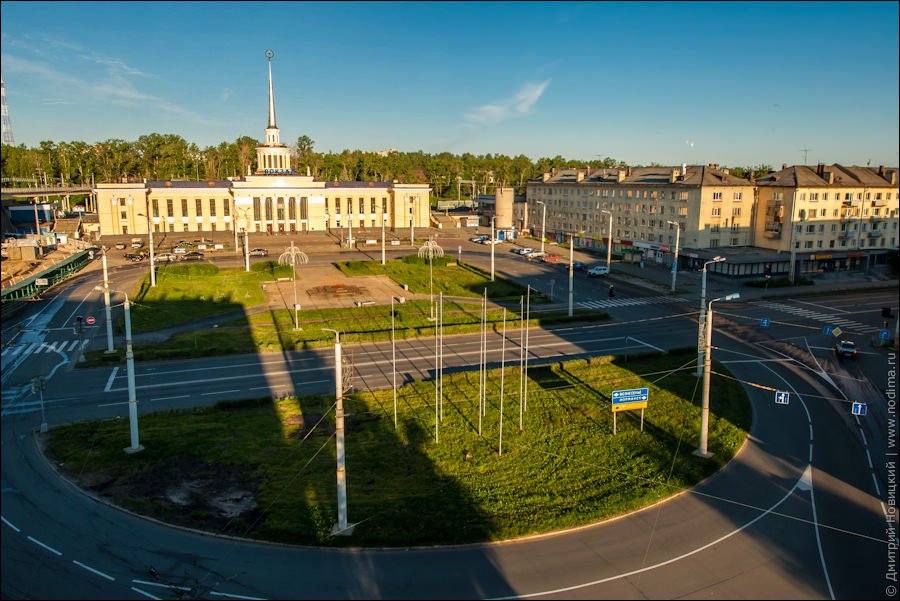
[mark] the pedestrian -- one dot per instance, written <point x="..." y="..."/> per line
<point x="611" y="292"/>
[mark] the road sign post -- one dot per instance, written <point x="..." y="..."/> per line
<point x="627" y="400"/>
<point x="90" y="320"/>
<point x="764" y="322"/>
<point x="859" y="409"/>
<point x="782" y="398"/>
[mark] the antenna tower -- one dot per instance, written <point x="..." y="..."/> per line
<point x="805" y="152"/>
<point x="8" y="139"/>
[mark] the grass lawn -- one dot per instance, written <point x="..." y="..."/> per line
<point x="461" y="279"/>
<point x="565" y="469"/>
<point x="187" y="292"/>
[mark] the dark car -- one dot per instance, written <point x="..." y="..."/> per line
<point x="134" y="257"/>
<point x="259" y="252"/>
<point x="845" y="348"/>
<point x="194" y="255"/>
<point x="579" y="265"/>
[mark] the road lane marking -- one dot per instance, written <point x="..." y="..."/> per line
<point x="161" y="585"/>
<point x="169" y="398"/>
<point x="645" y="344"/>
<point x="112" y="376"/>
<point x="90" y="569"/>
<point x="218" y="392"/>
<point x="48" y="547"/>
<point x="236" y="596"/>
<point x="10" y="524"/>
<point x="145" y="593"/>
<point x="72" y="346"/>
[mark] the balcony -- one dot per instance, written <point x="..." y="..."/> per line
<point x="875" y="233"/>
<point x="773" y="231"/>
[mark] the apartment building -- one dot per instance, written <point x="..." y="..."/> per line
<point x="830" y="216"/>
<point x="710" y="207"/>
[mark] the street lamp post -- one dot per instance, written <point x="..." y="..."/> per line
<point x="675" y="260"/>
<point x="108" y="307"/>
<point x="150" y="232"/>
<point x="382" y="238"/>
<point x="702" y="450"/>
<point x="492" y="248"/>
<point x="129" y="366"/>
<point x="543" y="223"/>
<point x="431" y="249"/>
<point x="608" y="242"/>
<point x="342" y="528"/>
<point x="293" y="256"/>
<point x="701" y="319"/>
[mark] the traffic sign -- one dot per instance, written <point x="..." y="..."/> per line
<point x="764" y="322"/>
<point x="884" y="334"/>
<point x="859" y="409"/>
<point x="91" y="320"/>
<point x="827" y="330"/>
<point x="836" y="331"/>
<point x="782" y="398"/>
<point x="635" y="398"/>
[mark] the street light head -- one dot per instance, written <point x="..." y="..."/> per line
<point x="719" y="259"/>
<point x="734" y="296"/>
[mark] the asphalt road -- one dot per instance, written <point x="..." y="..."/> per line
<point x="797" y="514"/>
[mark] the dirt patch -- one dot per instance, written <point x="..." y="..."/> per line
<point x="187" y="492"/>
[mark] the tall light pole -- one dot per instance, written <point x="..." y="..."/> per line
<point x="108" y="307"/>
<point x="383" y="217"/>
<point x="572" y="272"/>
<point x="608" y="242"/>
<point x="150" y="232"/>
<point x="129" y="366"/>
<point x="702" y="450"/>
<point x="701" y="344"/>
<point x="293" y="257"/>
<point x="342" y="528"/>
<point x="431" y="249"/>
<point x="543" y="223"/>
<point x="675" y="260"/>
<point x="492" y="248"/>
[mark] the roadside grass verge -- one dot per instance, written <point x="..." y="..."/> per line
<point x="565" y="468"/>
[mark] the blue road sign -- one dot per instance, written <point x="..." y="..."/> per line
<point x="635" y="395"/>
<point x="827" y="330"/>
<point x="782" y="398"/>
<point x="860" y="409"/>
<point x="884" y="334"/>
<point x="764" y="322"/>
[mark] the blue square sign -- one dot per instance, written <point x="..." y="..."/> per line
<point x="764" y="322"/>
<point x="782" y="398"/>
<point x="827" y="330"/>
<point x="860" y="409"/>
<point x="884" y="334"/>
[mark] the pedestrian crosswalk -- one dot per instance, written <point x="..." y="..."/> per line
<point x="34" y="348"/>
<point x="630" y="302"/>
<point x="830" y="319"/>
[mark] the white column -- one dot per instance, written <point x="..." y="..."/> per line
<point x="108" y="307"/>
<point x="132" y="395"/>
<point x="341" y="527"/>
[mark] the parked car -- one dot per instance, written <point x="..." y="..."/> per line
<point x="535" y="255"/>
<point x="136" y="244"/>
<point x="579" y="265"/>
<point x="527" y="252"/>
<point x="845" y="348"/>
<point x="135" y="257"/>
<point x="478" y="238"/>
<point x="179" y="250"/>
<point x="165" y="257"/>
<point x="194" y="255"/>
<point x="598" y="270"/>
<point x="259" y="252"/>
<point x="120" y="246"/>
<point x="487" y="240"/>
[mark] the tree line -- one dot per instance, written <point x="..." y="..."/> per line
<point x="169" y="156"/>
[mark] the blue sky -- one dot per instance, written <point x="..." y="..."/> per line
<point x="731" y="83"/>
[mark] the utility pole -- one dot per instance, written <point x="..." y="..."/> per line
<point x="571" y="273"/>
<point x="703" y="451"/>
<point x="108" y="308"/>
<point x="502" y="373"/>
<point x="342" y="528"/>
<point x="492" y="248"/>
<point x="701" y="337"/>
<point x="675" y="259"/>
<point x="132" y="394"/>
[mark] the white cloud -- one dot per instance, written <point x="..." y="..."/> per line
<point x="518" y="105"/>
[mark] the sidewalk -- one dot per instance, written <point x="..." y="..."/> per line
<point x="689" y="283"/>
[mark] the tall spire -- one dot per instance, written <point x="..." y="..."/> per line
<point x="269" y="55"/>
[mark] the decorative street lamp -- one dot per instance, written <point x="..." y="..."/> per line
<point x="293" y="257"/>
<point x="700" y="320"/>
<point x="431" y="249"/>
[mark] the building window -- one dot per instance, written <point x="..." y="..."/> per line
<point x="803" y="196"/>
<point x="808" y="244"/>
<point x="256" y="208"/>
<point x="736" y="212"/>
<point x="813" y="196"/>
<point x="303" y="207"/>
<point x="682" y="195"/>
<point x="810" y="229"/>
<point x="717" y="196"/>
<point x="372" y="205"/>
<point x="362" y="206"/>
<point x="384" y="205"/>
<point x="268" y="206"/>
<point x="292" y="209"/>
<point x="226" y="208"/>
<point x="184" y="207"/>
<point x="831" y="244"/>
<point x="818" y="244"/>
<point x="155" y="203"/>
<point x="823" y="213"/>
<point x="279" y="208"/>
<point x="123" y="215"/>
<point x="124" y="229"/>
<point x="170" y="208"/>
<point x="212" y="207"/>
<point x="734" y="241"/>
<point x="738" y="195"/>
<point x="714" y="228"/>
<point x="198" y="204"/>
<point x="717" y="211"/>
<point x="714" y="243"/>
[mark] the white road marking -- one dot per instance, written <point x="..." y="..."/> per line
<point x="169" y="398"/>
<point x="10" y="524"/>
<point x="49" y="548"/>
<point x="218" y="392"/>
<point x="645" y="344"/>
<point x="145" y="593"/>
<point x="161" y="585"/>
<point x="236" y="596"/>
<point x="72" y="346"/>
<point x="90" y="569"/>
<point x="112" y="376"/>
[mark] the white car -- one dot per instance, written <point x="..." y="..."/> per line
<point x="179" y="250"/>
<point x="527" y="252"/>
<point x="598" y="270"/>
<point x="478" y="239"/>
<point x="165" y="257"/>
